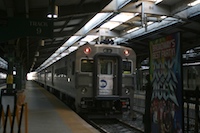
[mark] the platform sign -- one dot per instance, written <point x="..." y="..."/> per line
<point x="20" y="27"/>
<point x="165" y="76"/>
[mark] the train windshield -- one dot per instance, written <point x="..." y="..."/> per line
<point x="127" y="67"/>
<point x="87" y="65"/>
<point x="106" y="67"/>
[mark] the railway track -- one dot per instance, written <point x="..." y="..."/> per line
<point x="189" y="117"/>
<point x="114" y="126"/>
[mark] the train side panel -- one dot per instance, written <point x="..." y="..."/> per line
<point x="191" y="77"/>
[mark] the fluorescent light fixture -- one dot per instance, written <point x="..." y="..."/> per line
<point x="149" y="23"/>
<point x="157" y="1"/>
<point x="71" y="41"/>
<point x="72" y="48"/>
<point x="144" y="67"/>
<point x="64" y="54"/>
<point x="121" y="3"/>
<point x="81" y="43"/>
<point x="163" y="17"/>
<point x="194" y="3"/>
<point x="110" y="25"/>
<point x="117" y="20"/>
<point x="89" y="38"/>
<point x="123" y="17"/>
<point x="61" y="49"/>
<point x="55" y="54"/>
<point x="191" y="64"/>
<point x="58" y="57"/>
<point x="134" y="29"/>
<point x="97" y="19"/>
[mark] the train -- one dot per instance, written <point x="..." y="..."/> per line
<point x="94" y="78"/>
<point x="3" y="76"/>
<point x="3" y="71"/>
<point x="190" y="77"/>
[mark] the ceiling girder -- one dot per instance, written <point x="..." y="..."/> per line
<point x="147" y="8"/>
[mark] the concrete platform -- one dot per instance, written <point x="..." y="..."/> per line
<point x="47" y="114"/>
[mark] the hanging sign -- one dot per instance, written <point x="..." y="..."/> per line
<point x="21" y="27"/>
<point x="165" y="76"/>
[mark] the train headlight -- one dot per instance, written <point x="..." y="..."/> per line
<point x="127" y="91"/>
<point x="87" y="50"/>
<point x="83" y="90"/>
<point x="126" y="52"/>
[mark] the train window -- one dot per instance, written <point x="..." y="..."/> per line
<point x="87" y="65"/>
<point x="61" y="72"/>
<point x="48" y="75"/>
<point x="3" y="75"/>
<point x="127" y="67"/>
<point x="106" y="67"/>
<point x="42" y="75"/>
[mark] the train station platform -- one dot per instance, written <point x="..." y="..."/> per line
<point x="47" y="114"/>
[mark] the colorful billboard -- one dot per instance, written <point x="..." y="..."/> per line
<point x="166" y="80"/>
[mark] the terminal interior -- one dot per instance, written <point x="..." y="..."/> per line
<point x="35" y="34"/>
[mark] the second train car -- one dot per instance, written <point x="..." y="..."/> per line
<point x="95" y="78"/>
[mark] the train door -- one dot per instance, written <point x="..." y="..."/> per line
<point x="106" y="76"/>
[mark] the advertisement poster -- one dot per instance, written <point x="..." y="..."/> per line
<point x="166" y="107"/>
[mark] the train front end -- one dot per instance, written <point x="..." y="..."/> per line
<point x="109" y="84"/>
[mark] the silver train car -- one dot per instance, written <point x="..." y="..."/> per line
<point x="3" y="76"/>
<point x="191" y="76"/>
<point x="94" y="78"/>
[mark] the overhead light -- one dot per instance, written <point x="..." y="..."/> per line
<point x="58" y="57"/>
<point x="157" y="1"/>
<point x="64" y="54"/>
<point x="123" y="17"/>
<point x="110" y="25"/>
<point x="89" y="38"/>
<point x="61" y="49"/>
<point x="42" y="42"/>
<point x="117" y="20"/>
<point x="97" y="19"/>
<point x="72" y="48"/>
<point x="71" y="41"/>
<point x="149" y="23"/>
<point x="163" y="17"/>
<point x="52" y="11"/>
<point x="191" y="64"/>
<point x="194" y="3"/>
<point x="134" y="29"/>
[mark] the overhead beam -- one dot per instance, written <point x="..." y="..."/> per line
<point x="148" y="8"/>
<point x="188" y="13"/>
<point x="103" y="32"/>
<point x="180" y="6"/>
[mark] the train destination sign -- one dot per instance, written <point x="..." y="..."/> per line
<point x="166" y="106"/>
<point x="19" y="27"/>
